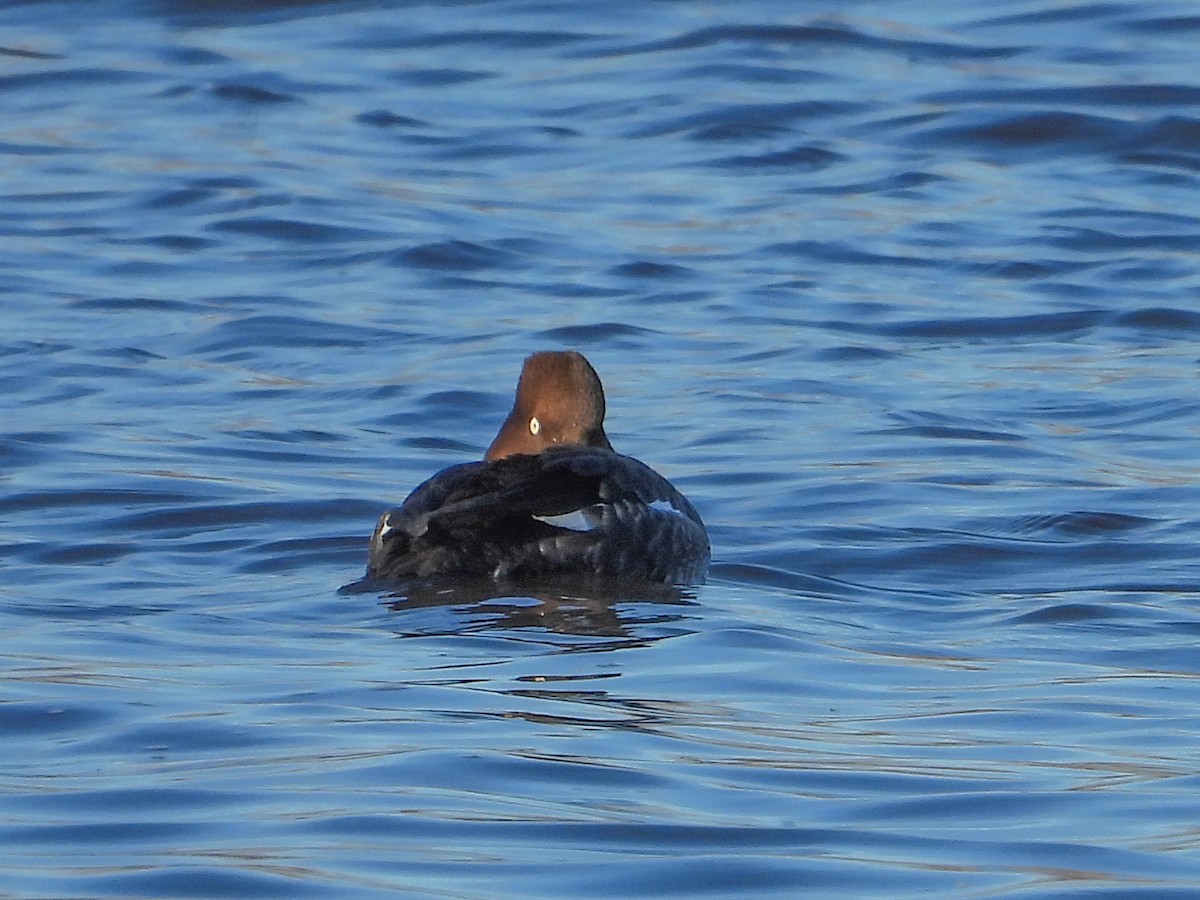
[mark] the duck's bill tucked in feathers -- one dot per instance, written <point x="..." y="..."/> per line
<point x="569" y="509"/>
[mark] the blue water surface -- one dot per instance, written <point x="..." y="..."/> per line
<point x="903" y="295"/>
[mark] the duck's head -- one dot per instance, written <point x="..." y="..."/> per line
<point x="559" y="402"/>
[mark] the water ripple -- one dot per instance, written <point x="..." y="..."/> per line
<point x="901" y="298"/>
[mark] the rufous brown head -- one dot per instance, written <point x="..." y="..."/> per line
<point x="559" y="402"/>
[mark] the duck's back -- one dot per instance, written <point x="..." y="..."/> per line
<point x="567" y="510"/>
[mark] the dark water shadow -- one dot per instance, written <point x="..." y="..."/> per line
<point x="566" y="606"/>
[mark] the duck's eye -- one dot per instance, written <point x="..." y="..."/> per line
<point x="534" y="425"/>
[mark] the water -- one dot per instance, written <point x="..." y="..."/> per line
<point x="903" y="295"/>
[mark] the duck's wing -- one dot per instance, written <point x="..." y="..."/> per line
<point x="623" y="479"/>
<point x="463" y="497"/>
<point x="642" y="527"/>
<point x="614" y="516"/>
<point x="565" y="509"/>
<point x="469" y="517"/>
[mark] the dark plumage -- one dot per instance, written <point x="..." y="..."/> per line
<point x="550" y="498"/>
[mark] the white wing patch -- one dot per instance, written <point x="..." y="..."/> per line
<point x="665" y="506"/>
<point x="585" y="519"/>
<point x="390" y="521"/>
<point x="590" y="518"/>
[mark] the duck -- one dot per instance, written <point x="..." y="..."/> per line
<point x="551" y="498"/>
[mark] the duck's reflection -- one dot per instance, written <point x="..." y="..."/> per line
<point x="607" y="609"/>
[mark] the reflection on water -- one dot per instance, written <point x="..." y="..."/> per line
<point x="585" y="607"/>
<point x="900" y="296"/>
